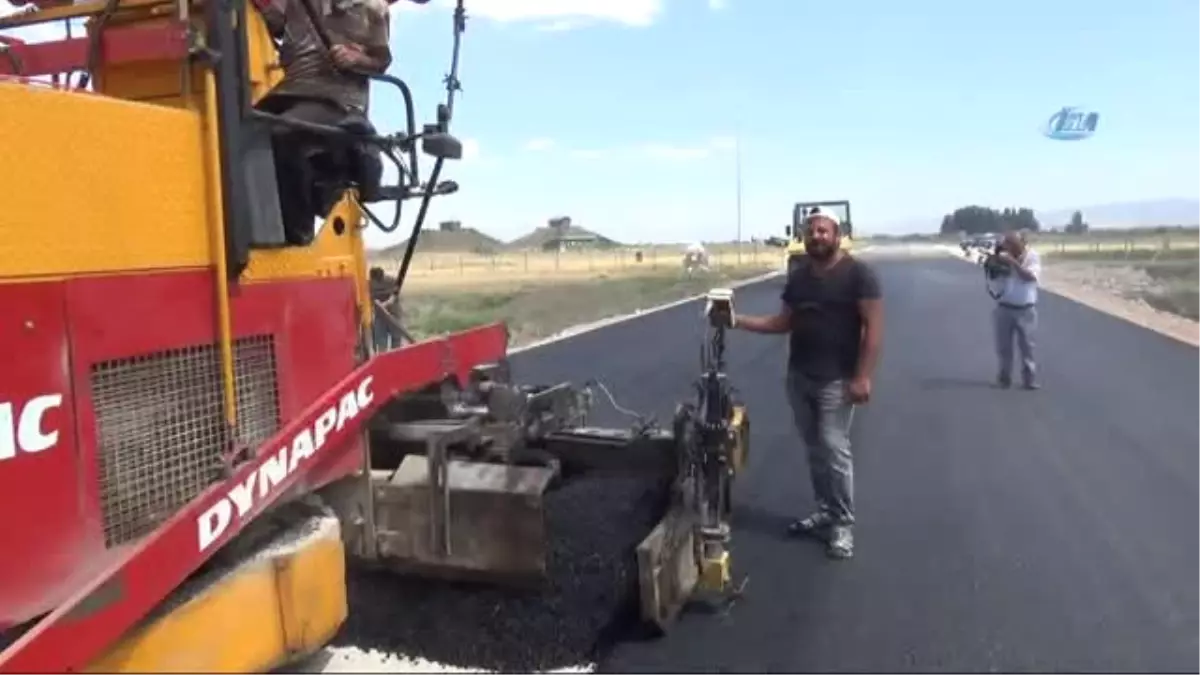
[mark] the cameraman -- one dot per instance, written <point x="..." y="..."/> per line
<point x="1012" y="278"/>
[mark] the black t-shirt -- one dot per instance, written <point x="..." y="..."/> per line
<point x="826" y="330"/>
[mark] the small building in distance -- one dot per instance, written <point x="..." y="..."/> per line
<point x="560" y="234"/>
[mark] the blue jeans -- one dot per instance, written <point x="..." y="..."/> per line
<point x="822" y="413"/>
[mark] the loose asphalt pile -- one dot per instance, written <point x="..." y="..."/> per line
<point x="589" y="601"/>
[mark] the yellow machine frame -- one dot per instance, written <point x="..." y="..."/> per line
<point x="152" y="205"/>
<point x="127" y="180"/>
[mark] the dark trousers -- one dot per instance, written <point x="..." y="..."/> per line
<point x="312" y="169"/>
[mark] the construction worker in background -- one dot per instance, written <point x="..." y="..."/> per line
<point x="383" y="292"/>
<point x="832" y="308"/>
<point x="328" y="86"/>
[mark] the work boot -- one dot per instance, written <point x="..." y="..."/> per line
<point x="813" y="525"/>
<point x="841" y="542"/>
<point x="1003" y="381"/>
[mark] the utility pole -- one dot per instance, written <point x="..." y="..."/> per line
<point x="737" y="162"/>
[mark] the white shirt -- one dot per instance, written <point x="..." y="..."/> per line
<point x="1012" y="289"/>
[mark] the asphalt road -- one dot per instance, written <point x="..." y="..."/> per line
<point x="1054" y="530"/>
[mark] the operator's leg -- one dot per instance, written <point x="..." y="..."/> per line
<point x="295" y="152"/>
<point x="834" y="413"/>
<point x="805" y="416"/>
<point x="1025" y="324"/>
<point x="294" y="178"/>
<point x="368" y="172"/>
<point x="1003" y="326"/>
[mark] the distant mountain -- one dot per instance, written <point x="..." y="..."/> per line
<point x="1142" y="213"/>
<point x="1146" y="213"/>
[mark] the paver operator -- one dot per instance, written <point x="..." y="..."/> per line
<point x="323" y="86"/>
<point x="832" y="308"/>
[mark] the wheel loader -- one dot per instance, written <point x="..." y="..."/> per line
<point x="196" y="436"/>
<point x="795" y="232"/>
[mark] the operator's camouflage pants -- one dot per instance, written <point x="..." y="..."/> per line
<point x="823" y="413"/>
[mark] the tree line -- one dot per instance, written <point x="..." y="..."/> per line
<point x="975" y="220"/>
<point x="982" y="220"/>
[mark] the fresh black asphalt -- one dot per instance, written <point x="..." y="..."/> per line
<point x="1054" y="530"/>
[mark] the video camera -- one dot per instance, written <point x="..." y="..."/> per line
<point x="993" y="267"/>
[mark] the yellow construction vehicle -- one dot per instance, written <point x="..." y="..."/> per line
<point x="795" y="232"/>
<point x="195" y="433"/>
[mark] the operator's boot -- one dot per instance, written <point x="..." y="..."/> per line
<point x="815" y="525"/>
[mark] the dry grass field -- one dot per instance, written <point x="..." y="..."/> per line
<point x="1167" y="280"/>
<point x="539" y="308"/>
<point x="539" y="293"/>
<point x="1155" y="269"/>
<point x="447" y="270"/>
<point x="1118" y="244"/>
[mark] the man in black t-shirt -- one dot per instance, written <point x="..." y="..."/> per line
<point x="833" y="312"/>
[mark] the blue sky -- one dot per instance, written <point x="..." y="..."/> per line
<point x="624" y="114"/>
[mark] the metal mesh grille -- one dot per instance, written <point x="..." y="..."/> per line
<point x="160" y="427"/>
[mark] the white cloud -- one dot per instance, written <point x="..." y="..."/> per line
<point x="562" y="25"/>
<point x="557" y="14"/>
<point x="470" y="150"/>
<point x="539" y="144"/>
<point x="689" y="153"/>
